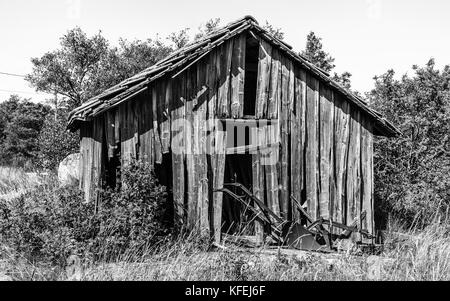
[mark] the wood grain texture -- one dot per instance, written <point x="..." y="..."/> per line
<point x="297" y="139"/>
<point x="157" y="145"/>
<point x="224" y="96"/>
<point x="312" y="106"/>
<point x="287" y="97"/>
<point x="164" y="115"/>
<point x="341" y="143"/>
<point x="271" y="172"/>
<point x="275" y="85"/>
<point x="354" y="168"/>
<point x="189" y="131"/>
<point x="367" y="175"/>
<point x="326" y="138"/>
<point x="98" y="162"/>
<point x="128" y="132"/>
<point x="200" y="140"/>
<point x="110" y="133"/>
<point x="212" y="79"/>
<point x="238" y="76"/>
<point x="85" y="164"/>
<point x="258" y="179"/>
<point x="91" y="150"/>
<point x="219" y="173"/>
<point x="145" y="118"/>
<point x="178" y="152"/>
<point x="263" y="84"/>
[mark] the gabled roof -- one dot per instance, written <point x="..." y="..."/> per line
<point x="187" y="56"/>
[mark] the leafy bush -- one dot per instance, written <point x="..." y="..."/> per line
<point x="48" y="224"/>
<point x="135" y="215"/>
<point x="412" y="172"/>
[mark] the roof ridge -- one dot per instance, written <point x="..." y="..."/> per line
<point x="192" y="52"/>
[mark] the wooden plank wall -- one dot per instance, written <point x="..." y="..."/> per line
<point x="92" y="157"/>
<point x="324" y="149"/>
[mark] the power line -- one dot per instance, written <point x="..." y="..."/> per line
<point x="21" y="92"/>
<point x="11" y="74"/>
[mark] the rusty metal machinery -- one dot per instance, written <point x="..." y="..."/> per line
<point x="310" y="235"/>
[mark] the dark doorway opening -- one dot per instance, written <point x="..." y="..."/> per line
<point x="163" y="173"/>
<point x="251" y="75"/>
<point x="238" y="169"/>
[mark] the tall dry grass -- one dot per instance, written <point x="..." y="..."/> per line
<point x="421" y="256"/>
<point x="16" y="181"/>
<point x="411" y="255"/>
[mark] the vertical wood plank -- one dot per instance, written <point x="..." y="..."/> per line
<point x="226" y="54"/>
<point x="200" y="147"/>
<point x="341" y="142"/>
<point x="270" y="168"/>
<point x="354" y="168"/>
<point x="98" y="158"/>
<point x="128" y="132"/>
<point x="312" y="105"/>
<point x="257" y="189"/>
<point x="157" y="146"/>
<point x="220" y="156"/>
<point x="263" y="84"/>
<point x="178" y="163"/>
<point x="303" y="136"/>
<point x="238" y="76"/>
<point x="287" y="94"/>
<point x="145" y="118"/>
<point x="110" y="133"/>
<point x="367" y="176"/>
<point x="86" y="165"/>
<point x="166" y="94"/>
<point x="210" y="145"/>
<point x="275" y="85"/>
<point x="192" y="176"/>
<point x="326" y="137"/>
<point x="297" y="139"/>
<point x="91" y="149"/>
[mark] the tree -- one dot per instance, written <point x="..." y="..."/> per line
<point x="180" y="38"/>
<point x="276" y="32"/>
<point x="86" y="66"/>
<point x="21" y="122"/>
<point x="344" y="79"/>
<point x="54" y="141"/>
<point x="133" y="57"/>
<point x="207" y="28"/>
<point x="73" y="70"/>
<point x="315" y="54"/>
<point x="412" y="172"/>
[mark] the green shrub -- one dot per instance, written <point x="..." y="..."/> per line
<point x="48" y="224"/>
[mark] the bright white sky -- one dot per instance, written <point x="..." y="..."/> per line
<point x="367" y="37"/>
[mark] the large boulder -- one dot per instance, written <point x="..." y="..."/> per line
<point x="68" y="171"/>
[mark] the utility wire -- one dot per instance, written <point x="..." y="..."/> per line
<point x="11" y="74"/>
<point x="21" y="92"/>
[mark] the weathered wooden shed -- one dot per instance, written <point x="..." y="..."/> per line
<point x="238" y="105"/>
